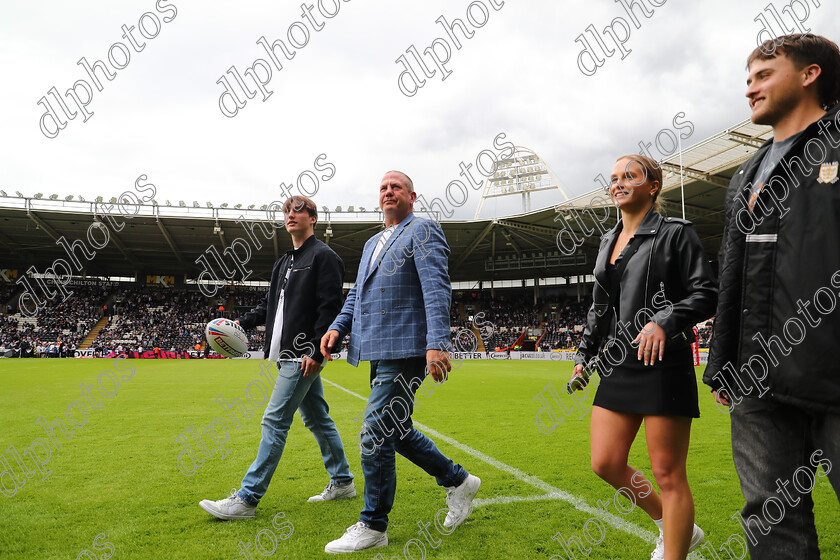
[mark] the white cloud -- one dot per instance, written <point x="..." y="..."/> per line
<point x="339" y="95"/>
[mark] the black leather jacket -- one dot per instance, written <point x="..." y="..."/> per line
<point x="667" y="280"/>
<point x="313" y="299"/>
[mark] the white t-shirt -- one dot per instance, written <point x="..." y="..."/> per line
<point x="383" y="240"/>
<point x="274" y="349"/>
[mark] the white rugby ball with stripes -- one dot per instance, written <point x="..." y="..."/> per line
<point x="226" y="337"/>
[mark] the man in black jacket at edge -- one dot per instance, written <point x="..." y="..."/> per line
<point x="773" y="362"/>
<point x="306" y="286"/>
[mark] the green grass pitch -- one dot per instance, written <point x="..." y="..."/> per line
<point x="115" y="488"/>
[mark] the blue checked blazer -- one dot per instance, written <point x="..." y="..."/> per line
<point x="399" y="306"/>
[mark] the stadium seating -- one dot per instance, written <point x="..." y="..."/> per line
<point x="170" y="318"/>
<point x="59" y="324"/>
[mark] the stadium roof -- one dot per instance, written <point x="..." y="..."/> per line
<point x="707" y="168"/>
<point x="167" y="240"/>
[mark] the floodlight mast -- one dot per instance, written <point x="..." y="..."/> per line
<point x="522" y="173"/>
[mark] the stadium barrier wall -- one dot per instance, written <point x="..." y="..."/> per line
<point x="562" y="356"/>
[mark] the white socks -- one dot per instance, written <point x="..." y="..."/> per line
<point x="659" y="525"/>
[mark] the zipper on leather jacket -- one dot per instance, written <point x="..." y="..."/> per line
<point x="650" y="262"/>
<point x="602" y="286"/>
<point x="615" y="315"/>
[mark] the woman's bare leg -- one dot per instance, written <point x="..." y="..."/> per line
<point x="667" y="440"/>
<point x="611" y="435"/>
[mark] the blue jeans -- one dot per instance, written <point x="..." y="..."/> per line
<point x="294" y="392"/>
<point x="387" y="428"/>
<point x="776" y="449"/>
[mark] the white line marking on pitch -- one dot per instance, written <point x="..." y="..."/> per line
<point x="478" y="502"/>
<point x="552" y="492"/>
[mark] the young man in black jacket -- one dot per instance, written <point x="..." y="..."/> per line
<point x="772" y="361"/>
<point x="303" y="299"/>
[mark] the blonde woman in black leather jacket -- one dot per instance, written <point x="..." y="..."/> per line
<point x="652" y="285"/>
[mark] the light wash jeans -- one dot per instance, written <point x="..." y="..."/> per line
<point x="388" y="428"/>
<point x="294" y="392"/>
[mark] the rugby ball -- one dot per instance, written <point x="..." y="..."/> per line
<point x="226" y="337"/>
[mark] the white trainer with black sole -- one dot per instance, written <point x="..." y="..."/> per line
<point x="232" y="507"/>
<point x="335" y="492"/>
<point x="357" y="537"/>
<point x="459" y="499"/>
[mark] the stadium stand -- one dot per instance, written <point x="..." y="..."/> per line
<point x="154" y="317"/>
<point x="6" y="292"/>
<point x="565" y="328"/>
<point x="505" y="256"/>
<point x="133" y="317"/>
<point x="57" y="329"/>
<point x="242" y="301"/>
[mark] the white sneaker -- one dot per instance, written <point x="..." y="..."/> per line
<point x="357" y="537"/>
<point x="335" y="492"/>
<point x="697" y="537"/>
<point x="232" y="507"/>
<point x="658" y="552"/>
<point x="459" y="499"/>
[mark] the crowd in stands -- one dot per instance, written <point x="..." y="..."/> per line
<point x="155" y="318"/>
<point x="11" y="336"/>
<point x="173" y="320"/>
<point x="72" y="319"/>
<point x="243" y="302"/>
<point x="511" y="312"/>
<point x="566" y="329"/>
<point x="509" y="317"/>
<point x="57" y="328"/>
<point x="704" y="335"/>
<point x="7" y="290"/>
<point x="456" y="321"/>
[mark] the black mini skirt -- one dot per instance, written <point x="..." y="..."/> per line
<point x="668" y="388"/>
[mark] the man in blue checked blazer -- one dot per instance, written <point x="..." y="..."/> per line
<point x="397" y="315"/>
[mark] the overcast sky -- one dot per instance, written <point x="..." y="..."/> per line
<point x="339" y="95"/>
